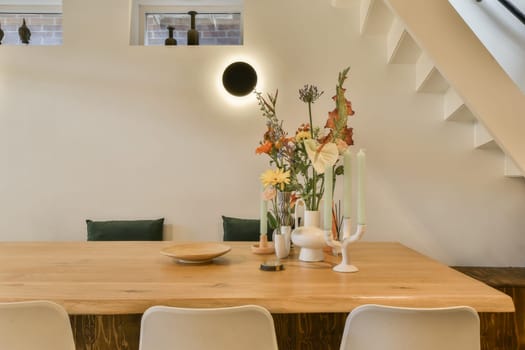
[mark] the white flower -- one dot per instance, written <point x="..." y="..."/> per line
<point x="321" y="156"/>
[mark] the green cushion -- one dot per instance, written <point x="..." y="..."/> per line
<point x="125" y="230"/>
<point x="237" y="229"/>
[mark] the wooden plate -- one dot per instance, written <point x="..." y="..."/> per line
<point x="195" y="253"/>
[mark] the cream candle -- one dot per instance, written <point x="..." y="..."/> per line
<point x="328" y="186"/>
<point x="263" y="214"/>
<point x="347" y="185"/>
<point x="361" y="187"/>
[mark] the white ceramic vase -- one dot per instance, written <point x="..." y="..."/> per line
<point x="282" y="241"/>
<point x="310" y="238"/>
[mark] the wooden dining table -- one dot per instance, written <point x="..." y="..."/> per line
<point x="106" y="286"/>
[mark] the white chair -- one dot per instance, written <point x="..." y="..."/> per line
<point x="374" y="327"/>
<point x="232" y="328"/>
<point x="33" y="325"/>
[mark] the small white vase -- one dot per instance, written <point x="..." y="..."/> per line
<point x="282" y="241"/>
<point x="309" y="237"/>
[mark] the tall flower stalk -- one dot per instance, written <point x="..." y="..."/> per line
<point x="276" y="143"/>
<point x="309" y="94"/>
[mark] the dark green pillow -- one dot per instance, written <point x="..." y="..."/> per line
<point x="125" y="230"/>
<point x="237" y="229"/>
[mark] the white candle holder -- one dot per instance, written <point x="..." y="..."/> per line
<point x="344" y="245"/>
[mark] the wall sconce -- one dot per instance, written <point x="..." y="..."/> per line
<point x="239" y="79"/>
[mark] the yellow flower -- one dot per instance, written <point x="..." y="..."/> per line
<point x="275" y="177"/>
<point x="302" y="135"/>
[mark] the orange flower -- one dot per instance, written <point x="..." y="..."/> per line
<point x="293" y="199"/>
<point x="348" y="104"/>
<point x="347" y="135"/>
<point x="279" y="144"/>
<point x="332" y="117"/>
<point x="287" y="140"/>
<point x="349" y="108"/>
<point x="303" y="127"/>
<point x="266" y="147"/>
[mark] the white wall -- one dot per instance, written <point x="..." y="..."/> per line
<point x="103" y="130"/>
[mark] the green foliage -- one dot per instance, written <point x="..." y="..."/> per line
<point x="272" y="221"/>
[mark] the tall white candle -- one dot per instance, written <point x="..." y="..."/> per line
<point x="347" y="184"/>
<point x="328" y="186"/>
<point x="361" y="187"/>
<point x="263" y="214"/>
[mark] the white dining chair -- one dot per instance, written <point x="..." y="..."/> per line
<point x="377" y="327"/>
<point x="232" y="328"/>
<point x="32" y="325"/>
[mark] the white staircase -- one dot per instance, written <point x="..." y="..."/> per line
<point x="376" y="18"/>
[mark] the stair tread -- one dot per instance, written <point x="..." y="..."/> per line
<point x="401" y="47"/>
<point x="376" y="17"/>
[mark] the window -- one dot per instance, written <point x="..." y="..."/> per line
<point x="219" y="22"/>
<point x="44" y="23"/>
<point x="46" y="29"/>
<point x="214" y="28"/>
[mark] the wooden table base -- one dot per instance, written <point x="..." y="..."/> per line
<point x="294" y="331"/>
<point x="511" y="281"/>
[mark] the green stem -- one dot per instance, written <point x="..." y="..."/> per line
<point x="275" y="210"/>
<point x="322" y="189"/>
<point x="314" y="206"/>
<point x="310" y="115"/>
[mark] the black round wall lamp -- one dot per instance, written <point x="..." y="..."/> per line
<point x="239" y="79"/>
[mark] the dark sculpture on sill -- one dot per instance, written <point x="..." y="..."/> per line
<point x="193" y="34"/>
<point x="24" y="33"/>
<point x="170" y="41"/>
<point x="1" y="35"/>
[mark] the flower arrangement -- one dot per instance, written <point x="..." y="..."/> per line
<point x="274" y="182"/>
<point x="301" y="160"/>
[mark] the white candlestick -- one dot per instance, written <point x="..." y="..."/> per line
<point x="328" y="186"/>
<point x="361" y="187"/>
<point x="347" y="185"/>
<point x="263" y="213"/>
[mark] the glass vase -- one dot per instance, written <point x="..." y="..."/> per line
<point x="284" y="214"/>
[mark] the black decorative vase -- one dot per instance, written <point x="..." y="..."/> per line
<point x="193" y="34"/>
<point x="170" y="41"/>
<point x="1" y="35"/>
<point x="24" y="33"/>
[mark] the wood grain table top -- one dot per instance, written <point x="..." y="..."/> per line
<point x="128" y="277"/>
